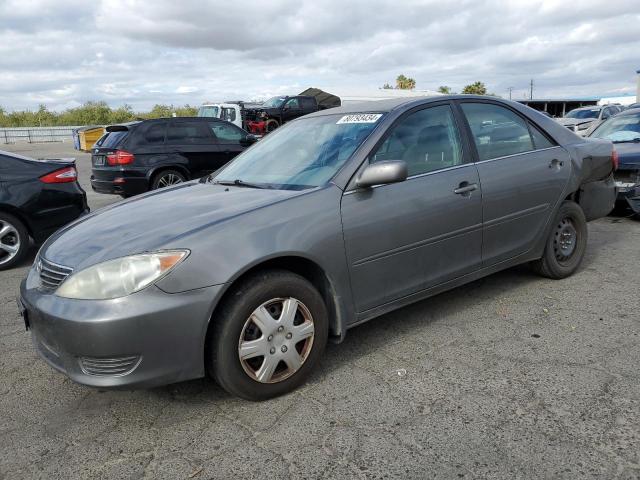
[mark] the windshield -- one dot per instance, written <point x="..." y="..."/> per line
<point x="625" y="128"/>
<point x="208" y="111"/>
<point x="274" y="102"/>
<point x="302" y="154"/>
<point x="581" y="114"/>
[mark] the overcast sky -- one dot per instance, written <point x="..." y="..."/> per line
<point x="65" y="52"/>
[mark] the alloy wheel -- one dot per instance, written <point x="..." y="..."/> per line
<point x="9" y="241"/>
<point x="276" y="340"/>
<point x="169" y="179"/>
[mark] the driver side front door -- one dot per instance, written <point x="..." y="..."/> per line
<point x="404" y="238"/>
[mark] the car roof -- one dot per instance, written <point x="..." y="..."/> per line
<point x="119" y="127"/>
<point x="387" y="105"/>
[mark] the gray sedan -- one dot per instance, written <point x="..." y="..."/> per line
<point x="332" y="220"/>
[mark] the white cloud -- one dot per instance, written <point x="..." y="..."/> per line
<point x="129" y="51"/>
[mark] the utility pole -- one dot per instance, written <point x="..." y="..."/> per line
<point x="510" y="90"/>
<point x="531" y="90"/>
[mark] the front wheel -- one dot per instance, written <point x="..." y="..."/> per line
<point x="267" y="336"/>
<point x="566" y="244"/>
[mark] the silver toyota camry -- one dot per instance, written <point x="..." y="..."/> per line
<point x="332" y="220"/>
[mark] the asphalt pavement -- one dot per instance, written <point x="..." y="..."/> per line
<point x="512" y="377"/>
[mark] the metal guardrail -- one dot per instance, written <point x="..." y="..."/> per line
<point x="36" y="134"/>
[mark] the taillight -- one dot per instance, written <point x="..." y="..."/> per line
<point x="614" y="159"/>
<point x="64" y="175"/>
<point x="120" y="157"/>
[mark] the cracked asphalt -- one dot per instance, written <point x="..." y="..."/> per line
<point x="511" y="377"/>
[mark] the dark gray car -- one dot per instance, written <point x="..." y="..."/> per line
<point x="334" y="219"/>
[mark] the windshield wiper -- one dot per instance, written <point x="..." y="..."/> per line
<point x="239" y="183"/>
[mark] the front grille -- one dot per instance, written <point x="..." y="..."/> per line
<point x="109" y="366"/>
<point x="627" y="176"/>
<point x="51" y="274"/>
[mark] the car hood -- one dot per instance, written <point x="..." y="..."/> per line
<point x="628" y="155"/>
<point x="570" y="122"/>
<point x="154" y="221"/>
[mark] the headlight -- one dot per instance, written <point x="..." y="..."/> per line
<point x="584" y="126"/>
<point x="120" y="277"/>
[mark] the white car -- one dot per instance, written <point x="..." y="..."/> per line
<point x="580" y="120"/>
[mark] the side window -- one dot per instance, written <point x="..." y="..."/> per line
<point x="228" y="114"/>
<point x="426" y="140"/>
<point x="155" y="133"/>
<point x="226" y="133"/>
<point x="539" y="139"/>
<point x="292" y="103"/>
<point x="307" y="104"/>
<point x="497" y="131"/>
<point x="188" y="133"/>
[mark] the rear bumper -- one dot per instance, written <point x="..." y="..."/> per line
<point x="59" y="205"/>
<point x="120" y="185"/>
<point x="147" y="339"/>
<point x="597" y="199"/>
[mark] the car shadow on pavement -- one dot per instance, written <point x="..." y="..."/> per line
<point x="371" y="336"/>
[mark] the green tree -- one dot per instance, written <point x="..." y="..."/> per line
<point x="405" y="83"/>
<point x="186" y="111"/>
<point x="90" y="113"/>
<point x="476" y="88"/>
<point x="387" y="86"/>
<point x="444" y="89"/>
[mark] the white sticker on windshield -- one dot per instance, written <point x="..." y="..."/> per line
<point x="360" y="118"/>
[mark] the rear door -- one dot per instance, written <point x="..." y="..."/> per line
<point x="523" y="175"/>
<point x="193" y="142"/>
<point x="229" y="138"/>
<point x="405" y="237"/>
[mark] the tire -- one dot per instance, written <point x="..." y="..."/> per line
<point x="566" y="244"/>
<point x="271" y="125"/>
<point x="233" y="328"/>
<point x="166" y="178"/>
<point x="14" y="241"/>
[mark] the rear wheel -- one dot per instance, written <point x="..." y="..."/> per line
<point x="566" y="244"/>
<point x="267" y="336"/>
<point x="166" y="178"/>
<point x="271" y="125"/>
<point x="14" y="241"/>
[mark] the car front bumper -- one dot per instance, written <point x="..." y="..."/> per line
<point x="628" y="188"/>
<point x="147" y="339"/>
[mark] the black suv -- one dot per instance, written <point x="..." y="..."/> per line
<point x="136" y="157"/>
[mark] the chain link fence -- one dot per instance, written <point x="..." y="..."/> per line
<point x="36" y="134"/>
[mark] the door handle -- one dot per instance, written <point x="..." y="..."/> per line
<point x="555" y="163"/>
<point x="465" y="188"/>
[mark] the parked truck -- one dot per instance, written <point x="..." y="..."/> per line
<point x="263" y="118"/>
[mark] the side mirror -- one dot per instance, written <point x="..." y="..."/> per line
<point x="381" y="173"/>
<point x="250" y="139"/>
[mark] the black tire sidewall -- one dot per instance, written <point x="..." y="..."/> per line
<point x="158" y="176"/>
<point x="572" y="211"/>
<point x="225" y="365"/>
<point x="23" y="235"/>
